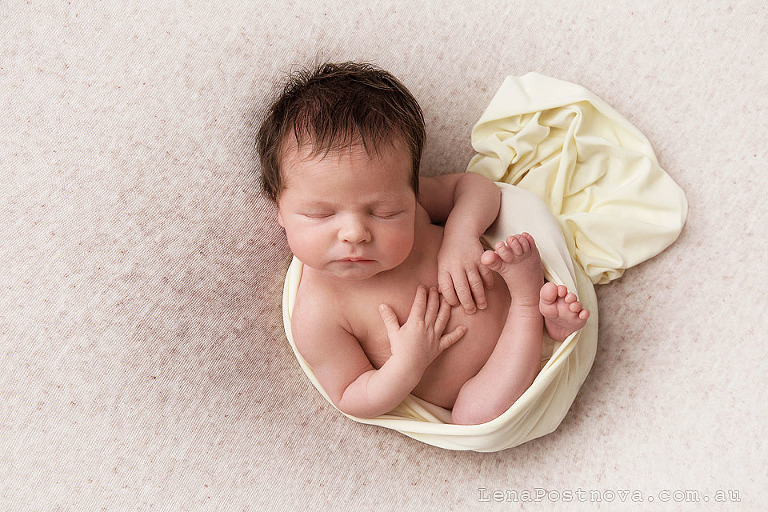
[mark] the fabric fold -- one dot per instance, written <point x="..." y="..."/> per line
<point x="597" y="173"/>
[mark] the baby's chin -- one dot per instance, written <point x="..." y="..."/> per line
<point x="357" y="271"/>
<point x="354" y="271"/>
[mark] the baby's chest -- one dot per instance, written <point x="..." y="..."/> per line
<point x="362" y="313"/>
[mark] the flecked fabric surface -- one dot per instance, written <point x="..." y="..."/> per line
<point x="143" y="364"/>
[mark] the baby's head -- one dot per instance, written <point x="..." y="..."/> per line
<point x="335" y="107"/>
<point x="340" y="151"/>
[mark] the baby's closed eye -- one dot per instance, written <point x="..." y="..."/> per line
<point x="317" y="215"/>
<point x="386" y="214"/>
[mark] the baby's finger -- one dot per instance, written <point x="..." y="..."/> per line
<point x="464" y="293"/>
<point x="478" y="288"/>
<point x="443" y="315"/>
<point x="419" y="303"/>
<point x="446" y="288"/>
<point x="452" y="337"/>
<point x="391" y="323"/>
<point x="486" y="274"/>
<point x="433" y="304"/>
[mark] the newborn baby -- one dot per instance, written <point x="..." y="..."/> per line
<point x="397" y="295"/>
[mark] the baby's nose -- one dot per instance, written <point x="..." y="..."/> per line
<point x="355" y="232"/>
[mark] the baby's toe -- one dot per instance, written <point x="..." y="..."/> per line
<point x="514" y="245"/>
<point x="548" y="293"/>
<point x="528" y="237"/>
<point x="491" y="259"/>
<point x="503" y="251"/>
<point x="524" y="243"/>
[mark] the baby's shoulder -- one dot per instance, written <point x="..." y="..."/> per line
<point x="316" y="306"/>
<point x="320" y="326"/>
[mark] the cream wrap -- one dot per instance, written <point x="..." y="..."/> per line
<point x="580" y="169"/>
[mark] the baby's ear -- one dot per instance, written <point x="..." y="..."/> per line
<point x="280" y="218"/>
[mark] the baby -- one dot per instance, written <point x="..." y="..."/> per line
<point x="397" y="294"/>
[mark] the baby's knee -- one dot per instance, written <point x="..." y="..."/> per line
<point x="476" y="413"/>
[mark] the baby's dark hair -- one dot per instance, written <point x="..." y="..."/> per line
<point x="333" y="106"/>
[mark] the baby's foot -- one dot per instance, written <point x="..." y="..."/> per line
<point x="563" y="314"/>
<point x="517" y="261"/>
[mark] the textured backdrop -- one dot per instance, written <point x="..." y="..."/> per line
<point x="143" y="364"/>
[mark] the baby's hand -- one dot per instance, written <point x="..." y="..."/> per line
<point x="420" y="339"/>
<point x="461" y="276"/>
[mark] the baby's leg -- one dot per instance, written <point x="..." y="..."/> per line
<point x="563" y="314"/>
<point x="515" y="361"/>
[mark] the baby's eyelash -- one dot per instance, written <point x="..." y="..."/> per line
<point x="386" y="215"/>
<point x="316" y="215"/>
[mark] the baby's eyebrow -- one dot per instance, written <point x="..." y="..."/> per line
<point x="319" y="203"/>
<point x="377" y="204"/>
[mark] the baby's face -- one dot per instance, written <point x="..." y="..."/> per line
<point x="346" y="214"/>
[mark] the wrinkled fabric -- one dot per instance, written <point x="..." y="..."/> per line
<point x="597" y="173"/>
<point x="586" y="184"/>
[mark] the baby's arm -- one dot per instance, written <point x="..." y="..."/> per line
<point x="346" y="374"/>
<point x="468" y="204"/>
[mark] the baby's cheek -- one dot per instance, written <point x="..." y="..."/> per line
<point x="401" y="244"/>
<point x="301" y="244"/>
